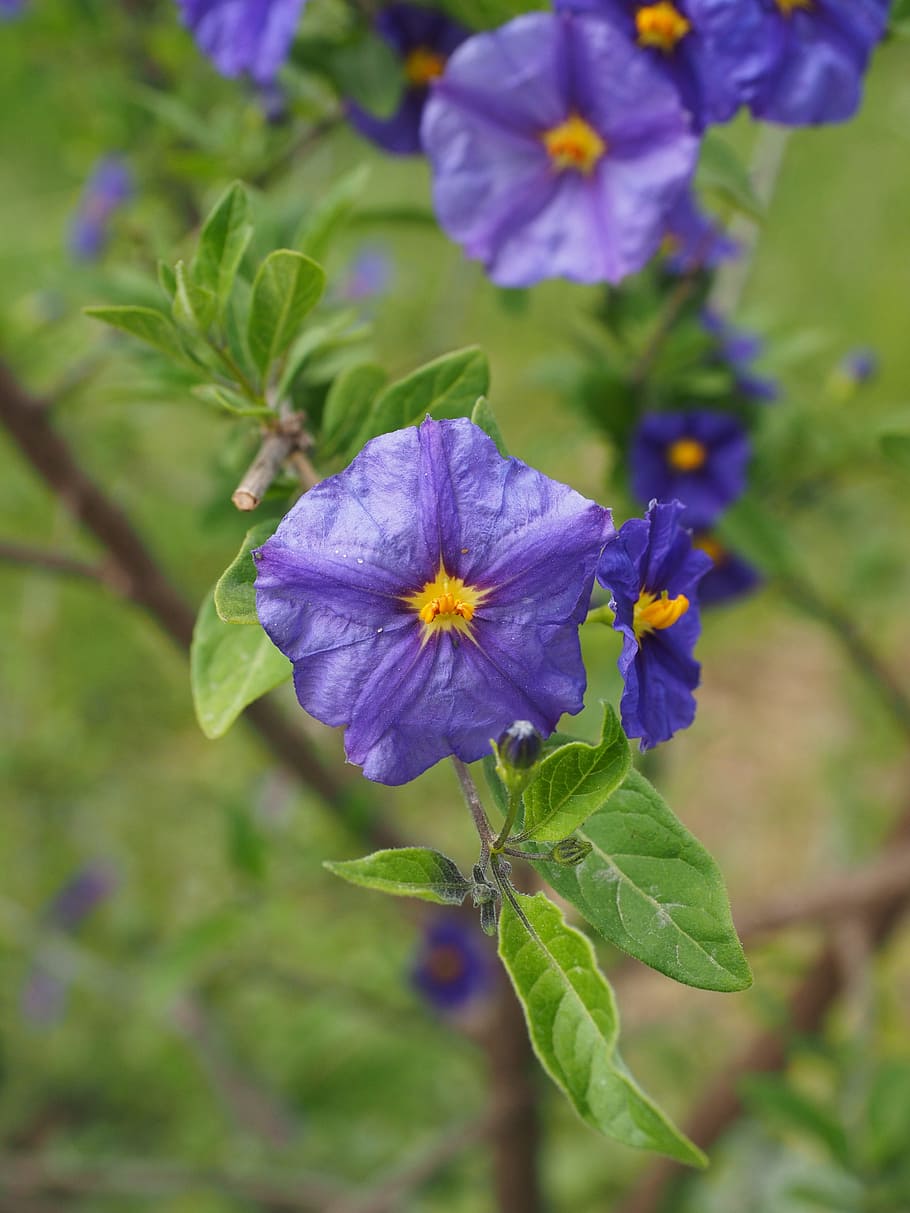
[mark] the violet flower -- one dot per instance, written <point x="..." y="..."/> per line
<point x="693" y="241"/>
<point x="737" y="349"/>
<point x="452" y="969"/>
<point x="423" y="39"/>
<point x="556" y="150"/>
<point x="698" y="457"/>
<point x="429" y="595"/>
<point x="810" y="56"/>
<point x="730" y="576"/>
<point x="699" y="45"/>
<point x="106" y="190"/>
<point x="244" y="37"/>
<point x="653" y="572"/>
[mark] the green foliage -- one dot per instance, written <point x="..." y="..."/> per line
<point x="482" y="415"/>
<point x="446" y="387"/>
<point x="487" y="14"/>
<point x="346" y="407"/>
<point x="223" y="240"/>
<point x="574" y="1027"/>
<point x="230" y="667"/>
<point x="653" y="890"/>
<point x="235" y="596"/>
<point x="721" y="172"/>
<point x="367" y="70"/>
<point x="330" y="214"/>
<point x="896" y="447"/>
<point x="287" y="286"/>
<point x="194" y="306"/>
<point x="407" y="872"/>
<point x="232" y="402"/>
<point x="146" y="323"/>
<point x="574" y="781"/>
<point x="792" y="1111"/>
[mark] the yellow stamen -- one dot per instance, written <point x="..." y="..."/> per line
<point x="709" y="545"/>
<point x="653" y="613"/>
<point x="574" y="144"/>
<point x="446" y="603"/>
<point x="788" y="6"/>
<point x="423" y="65"/>
<point x="663" y="25"/>
<point x="687" y="454"/>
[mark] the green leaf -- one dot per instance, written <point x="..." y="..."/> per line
<point x="194" y="306"/>
<point x="145" y="323"/>
<point x="230" y="667"/>
<point x="783" y="1105"/>
<point x="235" y="597"/>
<point x="896" y="447"/>
<point x="487" y="14"/>
<point x="286" y="287"/>
<point x="721" y="171"/>
<point x="222" y="242"/>
<point x="369" y="72"/>
<point x="574" y="781"/>
<point x="407" y="872"/>
<point x="167" y="280"/>
<point x="653" y="890"/>
<point x="331" y="213"/>
<point x="447" y="387"/>
<point x="346" y="406"/>
<point x="574" y="1027"/>
<point x="482" y="415"/>
<point x="230" y="401"/>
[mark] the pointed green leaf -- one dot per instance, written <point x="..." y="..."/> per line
<point x="286" y="287"/>
<point x="235" y="597"/>
<point x="721" y="171"/>
<point x="230" y="401"/>
<point x="482" y="415"/>
<point x="653" y="890"/>
<point x="194" y="306"/>
<point x="447" y="387"/>
<point x="574" y="1027"/>
<point x="229" y="668"/>
<point x="346" y="405"/>
<point x="167" y="280"/>
<point x="222" y="242"/>
<point x="407" y="872"/>
<point x="331" y="213"/>
<point x="145" y="323"/>
<point x="574" y="781"/>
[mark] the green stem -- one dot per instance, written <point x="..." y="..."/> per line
<point x="601" y="614"/>
<point x="514" y="804"/>
<point x="237" y="372"/>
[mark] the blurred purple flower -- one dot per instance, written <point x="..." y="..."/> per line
<point x="693" y="240"/>
<point x="108" y="188"/>
<point x="859" y="365"/>
<point x="556" y="151"/>
<point x="699" y="45"/>
<point x="653" y="572"/>
<point x="244" y="37"/>
<point x="738" y="349"/>
<point x="423" y="40"/>
<point x="729" y="577"/>
<point x="453" y="966"/>
<point x="43" y="998"/>
<point x="697" y="457"/>
<point x="10" y="9"/>
<point x="429" y="595"/>
<point x="90" y="886"/>
<point x="810" y="56"/>
<point x="369" y="274"/>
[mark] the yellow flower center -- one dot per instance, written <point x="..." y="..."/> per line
<point x="663" y="25"/>
<point x="653" y="612"/>
<point x="574" y="144"/>
<point x="446" y="603"/>
<point x="788" y="6"/>
<point x="687" y="454"/>
<point x="423" y="65"/>
<point x="709" y="545"/>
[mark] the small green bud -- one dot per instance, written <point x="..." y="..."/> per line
<point x="489" y="917"/>
<point x="571" y="851"/>
<point x="519" y="746"/>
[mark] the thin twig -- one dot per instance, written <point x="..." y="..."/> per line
<point x="53" y="562"/>
<point x="275" y="449"/>
<point x="474" y="803"/>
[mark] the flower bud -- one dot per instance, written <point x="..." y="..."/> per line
<point x="520" y="745"/>
<point x="571" y="851"/>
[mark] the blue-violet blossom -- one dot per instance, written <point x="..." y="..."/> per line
<point x="729" y="577"/>
<point x="429" y="595"/>
<point x="244" y="37"/>
<point x="693" y="240"/>
<point x="423" y="39"/>
<point x="453" y="966"/>
<point x="556" y="150"/>
<point x="699" y="457"/>
<point x="106" y="190"/>
<point x="652" y="571"/>
<point x="737" y="349"/>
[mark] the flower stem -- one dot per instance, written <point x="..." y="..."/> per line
<point x="474" y="803"/>
<point x="514" y="803"/>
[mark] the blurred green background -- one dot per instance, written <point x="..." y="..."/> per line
<point x="231" y="1007"/>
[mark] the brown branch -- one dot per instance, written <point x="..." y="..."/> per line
<point x="275" y="449"/>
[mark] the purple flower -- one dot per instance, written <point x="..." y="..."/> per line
<point x="697" y="457"/>
<point x="729" y="577"/>
<point x="90" y="886"/>
<point x="108" y="188"/>
<point x="423" y="40"/>
<point x="244" y="37"/>
<point x="43" y="998"/>
<point x="429" y="595"/>
<point x="693" y="241"/>
<point x="738" y="349"/>
<point x="369" y="273"/>
<point x="9" y="9"/>
<point x="859" y="366"/>
<point x="697" y="44"/>
<point x="653" y="572"/>
<point x="556" y="151"/>
<point x="810" y="56"/>
<point x="452" y="968"/>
